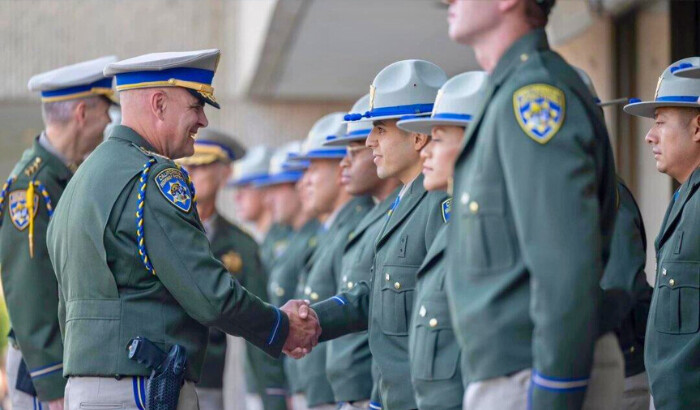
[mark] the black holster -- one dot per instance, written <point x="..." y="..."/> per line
<point x="167" y="372"/>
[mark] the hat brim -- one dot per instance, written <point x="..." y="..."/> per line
<point x="647" y="109"/>
<point x="425" y="125"/>
<point x="320" y="155"/>
<point x="273" y="180"/>
<point x="692" y="72"/>
<point x="344" y="141"/>
<point x="370" y="120"/>
<point x="204" y="99"/>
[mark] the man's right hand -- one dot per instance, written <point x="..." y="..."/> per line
<point x="304" y="328"/>
<point x="56" y="404"/>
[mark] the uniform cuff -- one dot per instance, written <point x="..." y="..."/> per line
<point x="553" y="393"/>
<point x="278" y="334"/>
<point x="50" y="384"/>
<point x="331" y="316"/>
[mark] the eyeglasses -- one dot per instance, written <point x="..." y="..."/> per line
<point x="352" y="152"/>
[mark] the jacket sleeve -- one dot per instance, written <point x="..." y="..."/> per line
<point x="344" y="313"/>
<point x="182" y="259"/>
<point x="553" y="190"/>
<point x="32" y="294"/>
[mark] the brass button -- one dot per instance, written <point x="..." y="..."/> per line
<point x="345" y="278"/>
<point x="632" y="349"/>
<point x="279" y="291"/>
<point x="474" y="207"/>
<point x="465" y="198"/>
<point x="671" y="282"/>
<point x="433" y="322"/>
<point x="663" y="271"/>
<point x="314" y="296"/>
<point x="524" y="57"/>
<point x="307" y="290"/>
<point x="397" y="285"/>
<point x="422" y="312"/>
<point x="350" y="285"/>
<point x="387" y="277"/>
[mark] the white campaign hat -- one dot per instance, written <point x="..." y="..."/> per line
<point x="357" y="130"/>
<point x="79" y="80"/>
<point x="192" y="70"/>
<point x="281" y="171"/>
<point x="689" y="68"/>
<point x="406" y="87"/>
<point x="329" y="126"/>
<point x="252" y="167"/>
<point x="671" y="91"/>
<point x="457" y="102"/>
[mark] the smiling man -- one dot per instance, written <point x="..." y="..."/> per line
<point x="135" y="261"/>
<point x="672" y="346"/>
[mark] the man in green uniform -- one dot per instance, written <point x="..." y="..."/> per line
<point x="291" y="264"/>
<point x="75" y="103"/>
<point x="139" y="262"/>
<point x="433" y="348"/>
<point x="534" y="210"/>
<point x="327" y="195"/>
<point x="349" y="360"/>
<point x="209" y="169"/>
<point x="627" y="293"/>
<point x="672" y="351"/>
<point x="383" y="305"/>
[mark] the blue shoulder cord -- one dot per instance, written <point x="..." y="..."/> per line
<point x="3" y="193"/>
<point x="141" y="197"/>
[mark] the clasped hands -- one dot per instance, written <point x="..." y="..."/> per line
<point x="304" y="328"/>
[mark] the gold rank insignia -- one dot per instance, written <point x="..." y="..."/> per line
<point x="539" y="109"/>
<point x="19" y="213"/>
<point x="232" y="261"/>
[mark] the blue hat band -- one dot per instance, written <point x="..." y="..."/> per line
<point x="226" y="149"/>
<point x="326" y="153"/>
<point x="281" y="178"/>
<point x="679" y="98"/>
<point x="452" y="116"/>
<point x="248" y="179"/>
<point x="195" y="75"/>
<point x="359" y="133"/>
<point x="295" y="164"/>
<point x="73" y="92"/>
<point x="681" y="66"/>
<point x="399" y="110"/>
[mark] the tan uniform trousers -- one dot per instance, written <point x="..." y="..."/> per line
<point x="210" y="399"/>
<point x="510" y="393"/>
<point x="637" y="395"/>
<point x="19" y="399"/>
<point x="106" y="393"/>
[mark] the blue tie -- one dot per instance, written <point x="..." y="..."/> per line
<point x="394" y="206"/>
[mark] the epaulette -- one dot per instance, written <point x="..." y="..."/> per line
<point x="33" y="167"/>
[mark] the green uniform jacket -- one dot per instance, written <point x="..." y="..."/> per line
<point x="531" y="226"/>
<point x="433" y="347"/>
<point x="384" y="305"/>
<point x="349" y="360"/>
<point x="31" y="290"/>
<point x="625" y="273"/>
<point x="284" y="280"/>
<point x="274" y="244"/>
<point x="672" y="354"/>
<point x="325" y="265"/>
<point x="107" y="296"/>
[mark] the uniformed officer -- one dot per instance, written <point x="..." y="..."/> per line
<point x="534" y="211"/>
<point x="433" y="348"/>
<point x="344" y="211"/>
<point x="75" y="103"/>
<point x="384" y="305"/>
<point x="139" y="262"/>
<point x="349" y="360"/>
<point x="290" y="265"/>
<point x="672" y="346"/>
<point x="627" y="293"/>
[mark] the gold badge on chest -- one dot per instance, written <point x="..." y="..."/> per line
<point x="232" y="261"/>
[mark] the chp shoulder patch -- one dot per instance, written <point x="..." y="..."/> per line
<point x="173" y="186"/>
<point x="19" y="213"/>
<point x="232" y="261"/>
<point x="540" y="110"/>
<point x="446" y="209"/>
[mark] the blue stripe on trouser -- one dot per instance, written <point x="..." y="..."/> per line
<point x="139" y="392"/>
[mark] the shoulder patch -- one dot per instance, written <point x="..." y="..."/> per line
<point x="173" y="186"/>
<point x="19" y="213"/>
<point x="232" y="261"/>
<point x="446" y="209"/>
<point x="540" y="111"/>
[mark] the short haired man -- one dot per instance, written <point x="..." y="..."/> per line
<point x="673" y="336"/>
<point x="534" y="212"/>
<point x="75" y="103"/>
<point x="140" y="263"/>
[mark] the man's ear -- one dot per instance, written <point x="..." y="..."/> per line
<point x="419" y="141"/>
<point x="79" y="113"/>
<point x="695" y="127"/>
<point x="158" y="102"/>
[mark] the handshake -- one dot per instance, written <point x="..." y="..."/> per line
<point x="304" y="328"/>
